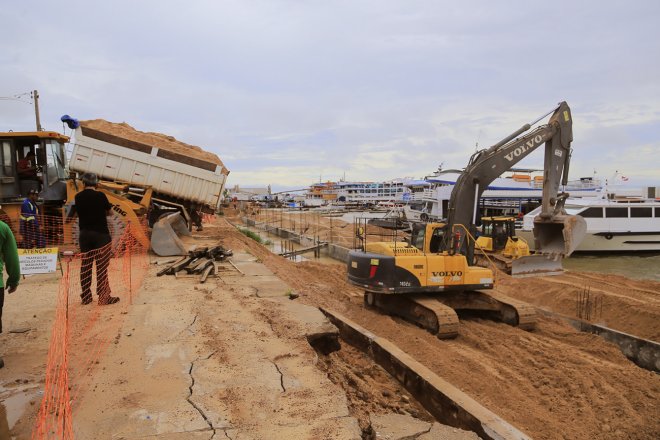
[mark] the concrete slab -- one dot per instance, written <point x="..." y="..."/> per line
<point x="398" y="427"/>
<point x="215" y="361"/>
<point x="252" y="268"/>
<point x="444" y="432"/>
<point x="311" y="320"/>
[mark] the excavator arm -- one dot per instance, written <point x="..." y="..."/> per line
<point x="555" y="232"/>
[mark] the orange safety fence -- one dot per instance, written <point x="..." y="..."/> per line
<point x="86" y="317"/>
<point x="208" y="218"/>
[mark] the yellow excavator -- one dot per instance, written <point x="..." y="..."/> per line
<point x="432" y="275"/>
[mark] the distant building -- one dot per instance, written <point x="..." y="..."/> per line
<point x="248" y="194"/>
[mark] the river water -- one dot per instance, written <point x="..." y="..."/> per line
<point x="642" y="266"/>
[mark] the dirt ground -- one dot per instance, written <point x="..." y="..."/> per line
<point x="631" y="306"/>
<point x="553" y="382"/>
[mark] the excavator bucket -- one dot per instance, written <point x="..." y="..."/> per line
<point x="165" y="235"/>
<point x="559" y="236"/>
<point x="555" y="239"/>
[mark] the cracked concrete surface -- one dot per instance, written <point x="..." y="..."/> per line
<point x="190" y="388"/>
<point x="217" y="362"/>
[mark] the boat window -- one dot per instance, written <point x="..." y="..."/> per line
<point x="616" y="212"/>
<point x="657" y="212"/>
<point x="592" y="212"/>
<point x="641" y="212"/>
<point x="572" y="210"/>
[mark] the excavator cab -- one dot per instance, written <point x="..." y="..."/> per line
<point x="434" y="232"/>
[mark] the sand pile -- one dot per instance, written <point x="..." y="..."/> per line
<point x="152" y="139"/>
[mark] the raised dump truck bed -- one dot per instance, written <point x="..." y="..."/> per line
<point x="187" y="176"/>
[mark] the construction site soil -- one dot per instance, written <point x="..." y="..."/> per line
<point x="553" y="382"/>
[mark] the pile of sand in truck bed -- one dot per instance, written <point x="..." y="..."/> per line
<point x="152" y="139"/>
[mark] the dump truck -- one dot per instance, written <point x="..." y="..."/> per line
<point x="185" y="181"/>
<point x="146" y="176"/>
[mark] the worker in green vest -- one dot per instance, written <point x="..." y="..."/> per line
<point x="9" y="259"/>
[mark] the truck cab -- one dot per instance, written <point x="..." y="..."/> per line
<point x="32" y="160"/>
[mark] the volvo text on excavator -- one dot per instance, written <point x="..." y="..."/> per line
<point x="429" y="278"/>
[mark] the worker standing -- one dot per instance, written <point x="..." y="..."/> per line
<point x="9" y="259"/>
<point x="29" y="222"/>
<point x="92" y="207"/>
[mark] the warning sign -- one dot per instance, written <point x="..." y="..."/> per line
<point x="41" y="260"/>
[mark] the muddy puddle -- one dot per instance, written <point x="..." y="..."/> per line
<point x="14" y="403"/>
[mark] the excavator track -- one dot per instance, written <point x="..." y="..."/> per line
<point x="525" y="314"/>
<point x="437" y="313"/>
<point x="495" y="304"/>
<point x="423" y="310"/>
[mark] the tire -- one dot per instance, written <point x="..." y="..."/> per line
<point x="424" y="217"/>
<point x="608" y="236"/>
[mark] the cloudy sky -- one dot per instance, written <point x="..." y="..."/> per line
<point x="288" y="92"/>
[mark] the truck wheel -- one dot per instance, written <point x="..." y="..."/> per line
<point x="424" y="217"/>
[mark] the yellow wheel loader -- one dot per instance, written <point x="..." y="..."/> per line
<point x="433" y="275"/>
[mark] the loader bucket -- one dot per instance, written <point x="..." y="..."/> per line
<point x="559" y="236"/>
<point x="536" y="265"/>
<point x="165" y="234"/>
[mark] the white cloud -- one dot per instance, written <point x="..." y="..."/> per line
<point x="287" y="91"/>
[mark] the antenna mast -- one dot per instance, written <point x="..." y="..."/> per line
<point x="35" y="96"/>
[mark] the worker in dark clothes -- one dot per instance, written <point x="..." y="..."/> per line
<point x="29" y="222"/>
<point x="92" y="207"/>
<point x="9" y="259"/>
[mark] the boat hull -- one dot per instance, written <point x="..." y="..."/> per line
<point x="610" y="242"/>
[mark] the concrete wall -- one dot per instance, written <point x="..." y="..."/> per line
<point x="447" y="403"/>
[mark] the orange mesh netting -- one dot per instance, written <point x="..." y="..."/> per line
<point x="83" y="325"/>
<point x="208" y="218"/>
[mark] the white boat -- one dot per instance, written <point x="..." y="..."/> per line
<point x="615" y="223"/>
<point x="384" y="194"/>
<point x="519" y="191"/>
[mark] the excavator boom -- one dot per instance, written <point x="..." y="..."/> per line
<point x="556" y="233"/>
<point x="433" y="276"/>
